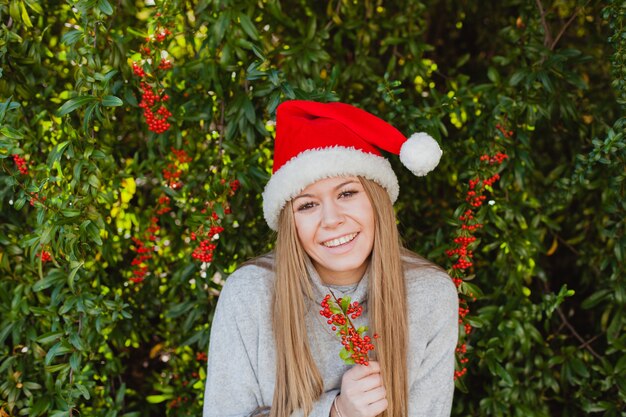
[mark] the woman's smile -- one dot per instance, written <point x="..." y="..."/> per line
<point x="333" y="243"/>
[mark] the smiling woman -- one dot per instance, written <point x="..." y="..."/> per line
<point x="330" y="199"/>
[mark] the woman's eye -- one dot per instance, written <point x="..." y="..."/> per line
<point x="306" y="206"/>
<point x="346" y="194"/>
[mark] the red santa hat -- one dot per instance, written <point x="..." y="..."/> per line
<point x="322" y="140"/>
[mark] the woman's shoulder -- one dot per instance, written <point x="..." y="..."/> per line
<point x="252" y="277"/>
<point x="426" y="278"/>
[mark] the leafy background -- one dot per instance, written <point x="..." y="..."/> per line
<point x="105" y="300"/>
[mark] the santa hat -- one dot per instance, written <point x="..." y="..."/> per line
<point x="322" y="140"/>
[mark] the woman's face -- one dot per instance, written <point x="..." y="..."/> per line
<point x="335" y="224"/>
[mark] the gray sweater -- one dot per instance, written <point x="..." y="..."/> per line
<point x="241" y="364"/>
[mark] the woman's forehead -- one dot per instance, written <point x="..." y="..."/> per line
<point x="330" y="183"/>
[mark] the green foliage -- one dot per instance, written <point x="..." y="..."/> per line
<point x="116" y="322"/>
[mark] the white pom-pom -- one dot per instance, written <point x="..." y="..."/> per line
<point x="420" y="153"/>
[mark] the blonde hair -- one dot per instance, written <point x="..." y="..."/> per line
<point x="298" y="380"/>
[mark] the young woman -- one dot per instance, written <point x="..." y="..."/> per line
<point x="330" y="199"/>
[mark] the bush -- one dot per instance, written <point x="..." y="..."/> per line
<point x="136" y="139"/>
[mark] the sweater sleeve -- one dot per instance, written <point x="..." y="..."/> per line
<point x="432" y="389"/>
<point x="234" y="385"/>
<point x="232" y="388"/>
<point x="321" y="407"/>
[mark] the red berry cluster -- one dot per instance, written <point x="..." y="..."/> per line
<point x="177" y="402"/>
<point x="174" y="169"/>
<point x="139" y="72"/>
<point x="498" y="158"/>
<point x="139" y="263"/>
<point x="143" y="251"/>
<point x="163" y="205"/>
<point x="45" y="256"/>
<point x="465" y="256"/>
<point x="21" y="164"/>
<point x="461" y="350"/>
<point x="461" y="253"/>
<point x="204" y="251"/>
<point x="165" y="64"/>
<point x="171" y="174"/>
<point x="234" y="185"/>
<point x="339" y="313"/>
<point x="34" y="198"/>
<point x="155" y="113"/>
<point x="160" y="35"/>
<point x="153" y="97"/>
<point x="504" y="132"/>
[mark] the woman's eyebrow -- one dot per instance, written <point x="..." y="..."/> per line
<point x="343" y="184"/>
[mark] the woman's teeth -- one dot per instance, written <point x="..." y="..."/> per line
<point x="339" y="241"/>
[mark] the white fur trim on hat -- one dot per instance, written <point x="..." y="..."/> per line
<point x="316" y="164"/>
<point x="420" y="154"/>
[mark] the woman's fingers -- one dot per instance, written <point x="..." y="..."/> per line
<point x="362" y="391"/>
<point x="370" y="382"/>
<point x="358" y="372"/>
<point x="375" y="395"/>
<point x="378" y="407"/>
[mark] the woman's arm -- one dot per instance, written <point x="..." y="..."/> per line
<point x="232" y="388"/>
<point x="432" y="385"/>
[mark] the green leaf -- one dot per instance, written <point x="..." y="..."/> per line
<point x="71" y="37"/>
<point x="74" y="103"/>
<point x="57" y="368"/>
<point x="49" y="337"/>
<point x="579" y="367"/>
<point x="7" y="105"/>
<point x="59" y="349"/>
<point x="34" y="6"/>
<point x="94" y="181"/>
<point x="516" y="78"/>
<point x="248" y="26"/>
<point x="70" y="212"/>
<point x="11" y="133"/>
<point x="345" y="303"/>
<point x="5" y="332"/>
<point x="503" y="374"/>
<point x="25" y="16"/>
<point x="19" y="203"/>
<point x="72" y="274"/>
<point x="105" y="7"/>
<point x="83" y="391"/>
<point x="94" y="233"/>
<point x="89" y="111"/>
<point x="346" y="356"/>
<point x="493" y="75"/>
<point x="156" y="399"/>
<point x="54" y="277"/>
<point x="111" y="101"/>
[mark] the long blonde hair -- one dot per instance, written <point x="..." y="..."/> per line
<point x="298" y="380"/>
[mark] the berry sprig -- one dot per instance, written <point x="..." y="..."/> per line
<point x="204" y="251"/>
<point x="21" y="164"/>
<point x="45" y="256"/>
<point x="339" y="313"/>
<point x="462" y="251"/>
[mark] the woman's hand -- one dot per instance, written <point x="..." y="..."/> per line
<point x="362" y="392"/>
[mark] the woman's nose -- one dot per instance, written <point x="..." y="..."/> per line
<point x="332" y="215"/>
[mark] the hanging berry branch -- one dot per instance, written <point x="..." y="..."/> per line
<point x="150" y="71"/>
<point x="461" y="252"/>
